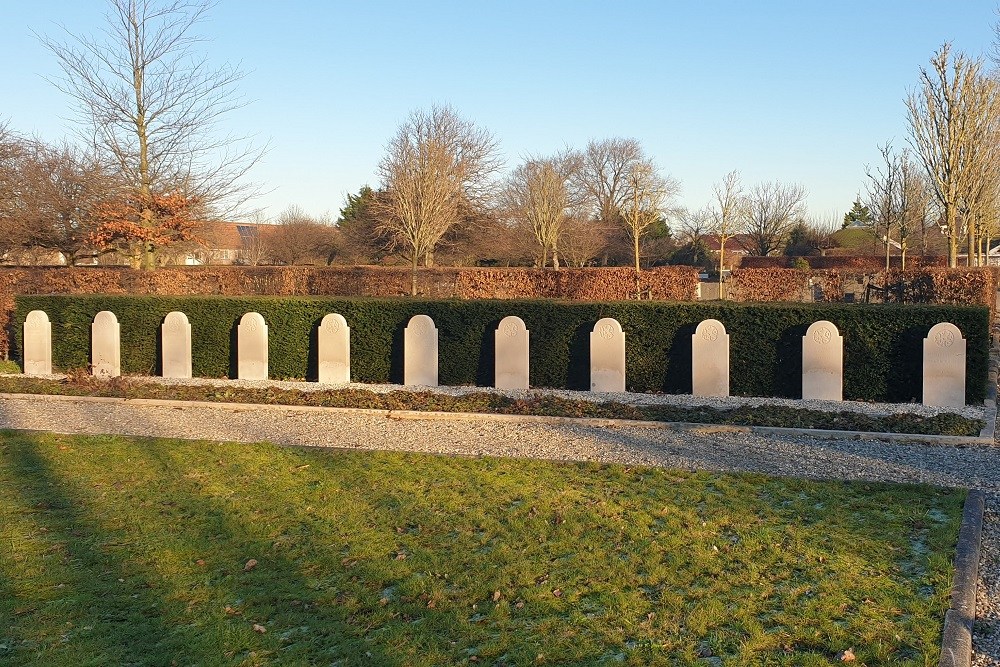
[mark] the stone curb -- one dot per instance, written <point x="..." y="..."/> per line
<point x="956" y="640"/>
<point x="418" y="415"/>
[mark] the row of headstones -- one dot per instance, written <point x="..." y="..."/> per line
<point x="822" y="354"/>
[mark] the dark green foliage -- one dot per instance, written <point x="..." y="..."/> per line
<point x="882" y="343"/>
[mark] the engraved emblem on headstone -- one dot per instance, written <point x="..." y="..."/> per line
<point x="251" y="347"/>
<point x="607" y="356"/>
<point x="822" y="335"/>
<point x="823" y="362"/>
<point x="944" y="366"/>
<point x="334" y="351"/>
<point x="710" y="359"/>
<point x="944" y="338"/>
<point x="510" y="340"/>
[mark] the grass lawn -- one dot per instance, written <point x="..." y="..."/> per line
<point x="118" y="551"/>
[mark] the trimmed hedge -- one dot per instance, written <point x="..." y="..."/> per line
<point x="676" y="283"/>
<point x="882" y="343"/>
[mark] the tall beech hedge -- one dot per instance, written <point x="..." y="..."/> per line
<point x="882" y="343"/>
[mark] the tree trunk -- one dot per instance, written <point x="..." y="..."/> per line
<point x="722" y="265"/>
<point x="413" y="275"/>
<point x="949" y="216"/>
<point x="888" y="247"/>
<point x="635" y="246"/>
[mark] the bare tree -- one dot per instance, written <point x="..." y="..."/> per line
<point x="13" y="151"/>
<point x="726" y="220"/>
<point x="538" y="196"/>
<point x="647" y="195"/>
<point x="953" y="130"/>
<point x="624" y="187"/>
<point x="887" y="198"/>
<point x="151" y="104"/>
<point x="62" y="186"/>
<point x="436" y="163"/>
<point x="603" y="175"/>
<point x="299" y="238"/>
<point x="583" y="239"/>
<point x="769" y="211"/>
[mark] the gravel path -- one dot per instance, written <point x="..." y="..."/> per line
<point x="794" y="456"/>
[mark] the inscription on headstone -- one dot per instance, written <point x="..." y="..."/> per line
<point x="105" y="345"/>
<point x="334" y="351"/>
<point x="420" y="352"/>
<point x="511" y="352"/>
<point x="607" y="356"/>
<point x="175" y="339"/>
<point x="944" y="366"/>
<point x="823" y="362"/>
<point x="37" y="344"/>
<point x="251" y="347"/>
<point x="710" y="360"/>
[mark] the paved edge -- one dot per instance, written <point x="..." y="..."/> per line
<point x="418" y="415"/>
<point x="956" y="640"/>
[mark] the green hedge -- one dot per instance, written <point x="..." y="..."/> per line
<point x="882" y="343"/>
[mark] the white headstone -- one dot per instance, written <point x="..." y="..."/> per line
<point x="607" y="356"/>
<point x="944" y="366"/>
<point x="511" y="348"/>
<point x="37" y="344"/>
<point x="175" y="344"/>
<point x="823" y="362"/>
<point x="334" y="353"/>
<point x="105" y="345"/>
<point x="710" y="360"/>
<point x="420" y="352"/>
<point x="251" y="348"/>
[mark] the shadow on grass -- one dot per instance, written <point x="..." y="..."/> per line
<point x="150" y="610"/>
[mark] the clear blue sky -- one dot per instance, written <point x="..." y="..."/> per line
<point x="796" y="90"/>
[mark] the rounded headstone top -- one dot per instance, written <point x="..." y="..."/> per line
<point x="334" y="322"/>
<point x="511" y="326"/>
<point x="607" y="328"/>
<point x="175" y="320"/>
<point x="37" y="317"/>
<point x="105" y="318"/>
<point x="420" y="324"/>
<point x="944" y="334"/>
<point x="822" y="332"/>
<point x="252" y="318"/>
<point x="710" y="330"/>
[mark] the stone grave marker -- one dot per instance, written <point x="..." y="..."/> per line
<point x="37" y="344"/>
<point x="420" y="352"/>
<point x="710" y="359"/>
<point x="105" y="345"/>
<point x="944" y="366"/>
<point x="251" y="347"/>
<point x="511" y="348"/>
<point x="607" y="356"/>
<point x="823" y="362"/>
<point x="334" y="353"/>
<point x="175" y="345"/>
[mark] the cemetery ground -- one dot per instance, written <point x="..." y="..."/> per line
<point x="117" y="550"/>
<point x="538" y="403"/>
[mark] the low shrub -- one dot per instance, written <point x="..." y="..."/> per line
<point x="882" y="343"/>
